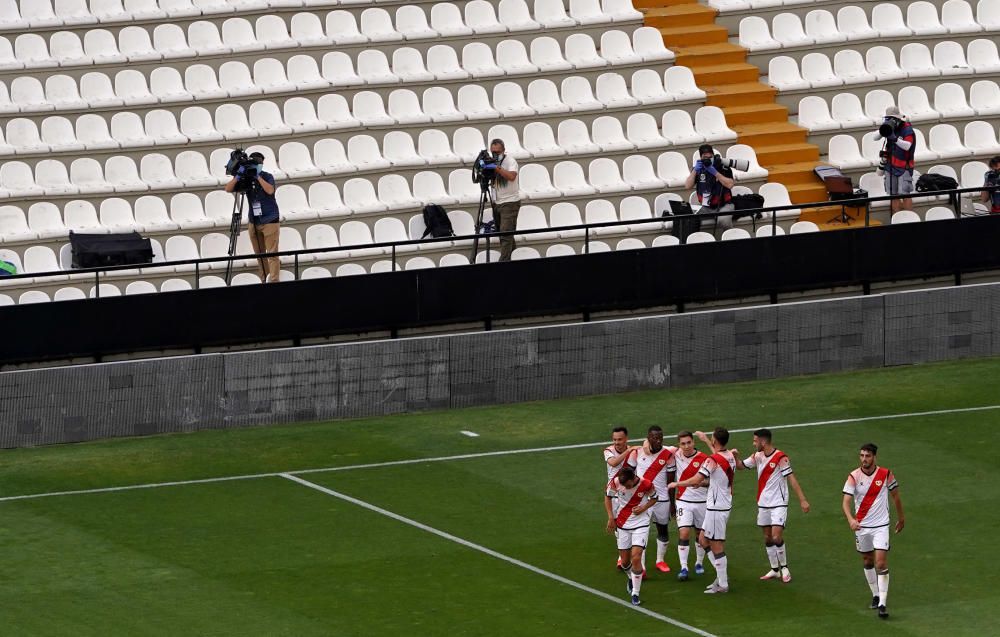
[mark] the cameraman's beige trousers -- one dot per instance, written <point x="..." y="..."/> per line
<point x="506" y="218"/>
<point x="264" y="238"/>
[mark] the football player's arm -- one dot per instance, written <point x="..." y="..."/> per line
<point x="610" y="527"/>
<point x="671" y="493"/>
<point x="702" y="436"/>
<point x="899" y="509"/>
<point x="693" y="481"/>
<point x="798" y="492"/>
<point x="650" y="501"/>
<point x="620" y="458"/>
<point x="847" y="512"/>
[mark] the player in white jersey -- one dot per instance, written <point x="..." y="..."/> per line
<point x="690" y="505"/>
<point x="719" y="468"/>
<point x="869" y="487"/>
<point x="655" y="463"/>
<point x="615" y="456"/>
<point x="774" y="474"/>
<point x="630" y="525"/>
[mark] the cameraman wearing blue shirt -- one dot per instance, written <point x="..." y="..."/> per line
<point x="263" y="214"/>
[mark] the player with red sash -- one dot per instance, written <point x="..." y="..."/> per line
<point x="615" y="456"/>
<point x="870" y="486"/>
<point x="719" y="468"/>
<point x="630" y="525"/>
<point x="774" y="474"/>
<point x="690" y="505"/>
<point x="655" y="463"/>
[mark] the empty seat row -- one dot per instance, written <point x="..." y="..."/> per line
<point x="819" y="26"/>
<point x="235" y="79"/>
<point x="30" y="51"/>
<point x="943" y="141"/>
<point x="845" y="110"/>
<point x="363" y="152"/>
<point x="879" y="65"/>
<point x="187" y="211"/>
<point x="411" y="21"/>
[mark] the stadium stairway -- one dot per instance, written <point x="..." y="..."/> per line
<point x="721" y="69"/>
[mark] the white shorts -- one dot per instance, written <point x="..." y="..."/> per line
<point x="715" y="525"/>
<point x="661" y="512"/>
<point x="772" y="517"/>
<point x="690" y="514"/>
<point x="628" y="539"/>
<point x="868" y="540"/>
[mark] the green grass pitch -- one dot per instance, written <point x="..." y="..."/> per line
<point x="268" y="556"/>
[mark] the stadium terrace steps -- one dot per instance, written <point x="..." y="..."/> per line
<point x="699" y="41"/>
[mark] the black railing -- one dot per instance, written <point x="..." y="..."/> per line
<point x="394" y="246"/>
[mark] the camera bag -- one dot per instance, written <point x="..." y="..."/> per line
<point x="436" y="222"/>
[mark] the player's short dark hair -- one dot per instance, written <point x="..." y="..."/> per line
<point x="655" y="428"/>
<point x="626" y="474"/>
<point x="620" y="428"/>
<point x="870" y="447"/>
<point x="721" y="435"/>
<point x="764" y="434"/>
<point x="684" y="433"/>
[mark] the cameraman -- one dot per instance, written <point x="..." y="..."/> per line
<point x="993" y="179"/>
<point x="506" y="195"/>
<point x="263" y="215"/>
<point x="713" y="183"/>
<point x="897" y="160"/>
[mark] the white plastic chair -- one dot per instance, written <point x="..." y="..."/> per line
<point x="783" y="74"/>
<point x="608" y="134"/>
<point x="787" y="29"/>
<point x="905" y="216"/>
<point x="477" y="59"/>
<point x="981" y="138"/>
<point x="480" y="17"/>
<point x="983" y="56"/>
<point x="446" y="19"/>
<point x="814" y="114"/>
<point x="581" y="52"/>
<point x="755" y="35"/>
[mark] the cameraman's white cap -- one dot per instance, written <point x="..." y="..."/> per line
<point x="893" y="111"/>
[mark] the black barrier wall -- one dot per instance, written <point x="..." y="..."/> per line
<point x="625" y="280"/>
<point x="88" y="402"/>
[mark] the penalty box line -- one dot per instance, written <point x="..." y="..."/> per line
<point x="495" y="554"/>
<point x="468" y="456"/>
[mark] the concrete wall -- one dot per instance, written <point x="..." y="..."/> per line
<point x="238" y="389"/>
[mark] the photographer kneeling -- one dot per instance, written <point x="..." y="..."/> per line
<point x="506" y="196"/>
<point x="897" y="157"/>
<point x="263" y="214"/>
<point x="713" y="181"/>
<point x="992" y="178"/>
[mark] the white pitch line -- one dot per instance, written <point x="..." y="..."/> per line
<point x="470" y="434"/>
<point x="500" y="556"/>
<point x="468" y="456"/>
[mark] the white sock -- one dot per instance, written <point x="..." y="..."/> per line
<point x="682" y="554"/>
<point x="883" y="587"/>
<point x="644" y="559"/>
<point x="872" y="581"/>
<point x="772" y="557"/>
<point x="711" y="559"/>
<point x="661" y="550"/>
<point x="782" y="557"/>
<point x="699" y="554"/>
<point x="636" y="581"/>
<point x="721" y="568"/>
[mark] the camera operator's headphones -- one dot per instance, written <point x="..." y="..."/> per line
<point x="257" y="157"/>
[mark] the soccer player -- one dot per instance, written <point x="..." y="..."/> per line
<point x="690" y="503"/>
<point x="655" y="463"/>
<point x="774" y="474"/>
<point x="615" y="456"/>
<point x="870" y="487"/>
<point x="719" y="469"/>
<point x="630" y="525"/>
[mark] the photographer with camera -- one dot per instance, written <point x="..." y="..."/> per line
<point x="897" y="157"/>
<point x="249" y="177"/>
<point x="506" y="195"/>
<point x="992" y="178"/>
<point x="712" y="178"/>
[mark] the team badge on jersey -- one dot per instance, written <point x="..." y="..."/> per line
<point x="878" y="483"/>
<point x="697" y="464"/>
<point x="662" y="461"/>
<point x="772" y="465"/>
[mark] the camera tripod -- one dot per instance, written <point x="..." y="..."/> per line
<point x="234" y="229"/>
<point x="484" y="197"/>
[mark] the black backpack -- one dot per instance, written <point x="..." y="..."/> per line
<point x="437" y="222"/>
<point x="743" y="204"/>
<point x="932" y="182"/>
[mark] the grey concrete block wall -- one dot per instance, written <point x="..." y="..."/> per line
<point x="238" y="389"/>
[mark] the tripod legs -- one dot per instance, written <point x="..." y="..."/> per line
<point x="485" y="197"/>
<point x="234" y="231"/>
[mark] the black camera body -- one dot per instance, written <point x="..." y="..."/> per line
<point x="480" y="173"/>
<point x="725" y="164"/>
<point x="243" y="168"/>
<point x="890" y="126"/>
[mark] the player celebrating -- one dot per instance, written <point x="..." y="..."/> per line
<point x="630" y="525"/>
<point x="615" y="456"/>
<point x="719" y="468"/>
<point x="655" y="463"/>
<point x="870" y="487"/>
<point x="774" y="474"/>
<point x="690" y="505"/>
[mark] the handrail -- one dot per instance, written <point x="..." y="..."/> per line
<point x="394" y="245"/>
